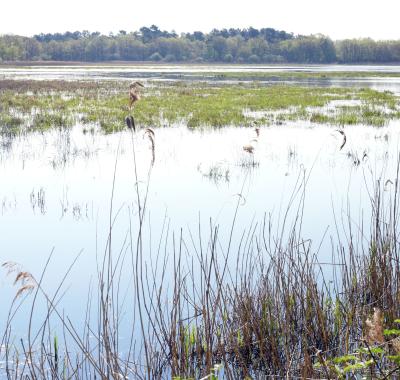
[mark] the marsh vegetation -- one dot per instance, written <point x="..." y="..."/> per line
<point x="185" y="255"/>
<point x="32" y="105"/>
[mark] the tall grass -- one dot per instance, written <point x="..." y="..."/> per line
<point x="257" y="301"/>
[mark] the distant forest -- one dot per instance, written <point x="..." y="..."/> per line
<point x="266" y="45"/>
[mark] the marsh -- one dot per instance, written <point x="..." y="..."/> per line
<point x="193" y="221"/>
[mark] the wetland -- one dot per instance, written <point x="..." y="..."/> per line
<point x="180" y="252"/>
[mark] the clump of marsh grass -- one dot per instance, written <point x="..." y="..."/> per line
<point x="216" y="173"/>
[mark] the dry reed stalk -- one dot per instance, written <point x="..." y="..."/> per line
<point x="263" y="316"/>
<point x="374" y="332"/>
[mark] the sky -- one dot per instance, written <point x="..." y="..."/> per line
<point x="337" y="19"/>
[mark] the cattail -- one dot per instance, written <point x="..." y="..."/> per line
<point x="130" y="122"/>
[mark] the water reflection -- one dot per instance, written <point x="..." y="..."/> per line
<point x="71" y="171"/>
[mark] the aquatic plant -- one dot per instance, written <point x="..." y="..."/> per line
<point x="196" y="105"/>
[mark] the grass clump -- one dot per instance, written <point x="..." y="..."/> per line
<point x="319" y="118"/>
<point x="10" y="124"/>
<point x="45" y="121"/>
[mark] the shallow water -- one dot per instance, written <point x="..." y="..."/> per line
<point x="196" y="72"/>
<point x="57" y="188"/>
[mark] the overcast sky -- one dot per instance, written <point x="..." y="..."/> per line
<point x="337" y="19"/>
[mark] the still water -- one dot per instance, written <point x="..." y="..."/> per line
<point x="200" y="72"/>
<point x="58" y="188"/>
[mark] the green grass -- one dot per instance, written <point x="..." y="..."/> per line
<point x="12" y="122"/>
<point x="197" y="104"/>
<point x="44" y="121"/>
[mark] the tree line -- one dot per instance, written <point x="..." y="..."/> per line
<point x="250" y="45"/>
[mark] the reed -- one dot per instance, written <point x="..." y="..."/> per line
<point x="257" y="302"/>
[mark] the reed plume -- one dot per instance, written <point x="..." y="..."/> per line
<point x="248" y="148"/>
<point x="374" y="332"/>
<point x="151" y="136"/>
<point x="134" y="92"/>
<point x="25" y="279"/>
<point x="344" y="138"/>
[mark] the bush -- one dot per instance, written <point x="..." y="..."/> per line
<point x="271" y="58"/>
<point x="155" y="57"/>
<point x="228" y="58"/>
<point x="170" y="58"/>
<point x="254" y="58"/>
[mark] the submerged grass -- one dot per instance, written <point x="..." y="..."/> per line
<point x="196" y="104"/>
